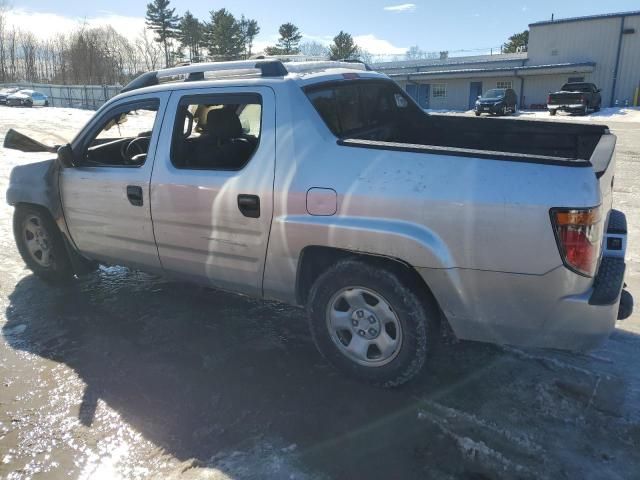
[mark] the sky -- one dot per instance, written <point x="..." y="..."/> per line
<point x="379" y="26"/>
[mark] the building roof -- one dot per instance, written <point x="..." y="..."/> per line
<point x="587" y="18"/>
<point x="426" y="62"/>
<point x="530" y="69"/>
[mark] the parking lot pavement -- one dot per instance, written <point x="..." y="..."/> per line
<point x="124" y="375"/>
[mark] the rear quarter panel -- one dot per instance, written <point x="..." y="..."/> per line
<point x="432" y="211"/>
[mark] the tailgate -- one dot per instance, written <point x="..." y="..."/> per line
<point x="565" y="98"/>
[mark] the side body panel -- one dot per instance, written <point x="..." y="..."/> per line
<point x="464" y="223"/>
<point x="201" y="233"/>
<point x="102" y="222"/>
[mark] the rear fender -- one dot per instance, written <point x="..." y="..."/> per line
<point x="414" y="245"/>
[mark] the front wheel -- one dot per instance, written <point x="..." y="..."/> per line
<point x="553" y="112"/>
<point x="370" y="323"/>
<point x="477" y="114"/>
<point x="40" y="244"/>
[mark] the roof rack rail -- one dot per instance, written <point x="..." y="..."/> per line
<point x="196" y="71"/>
<point x="356" y="60"/>
<point x="268" y="67"/>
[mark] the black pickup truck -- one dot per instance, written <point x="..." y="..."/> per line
<point x="578" y="97"/>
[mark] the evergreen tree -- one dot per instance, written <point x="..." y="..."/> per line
<point x="164" y="22"/>
<point x="191" y="35"/>
<point x="519" y="40"/>
<point x="343" y="47"/>
<point x="224" y="36"/>
<point x="289" y="41"/>
<point x="249" y="31"/>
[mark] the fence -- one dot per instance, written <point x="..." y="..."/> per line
<point x="88" y="97"/>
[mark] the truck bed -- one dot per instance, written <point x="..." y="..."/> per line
<point x="547" y="139"/>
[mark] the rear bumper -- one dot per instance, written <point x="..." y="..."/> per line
<point x="560" y="309"/>
<point x="573" y="107"/>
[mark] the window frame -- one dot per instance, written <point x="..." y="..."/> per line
<point x="434" y="86"/>
<point x="506" y="84"/>
<point x="217" y="99"/>
<point x="99" y="123"/>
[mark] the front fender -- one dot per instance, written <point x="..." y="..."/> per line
<point x="36" y="184"/>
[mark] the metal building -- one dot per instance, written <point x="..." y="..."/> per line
<point x="603" y="49"/>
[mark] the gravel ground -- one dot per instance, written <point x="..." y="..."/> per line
<point x="124" y="376"/>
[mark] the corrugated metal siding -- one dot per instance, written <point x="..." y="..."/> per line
<point x="594" y="40"/>
<point x="537" y="88"/>
<point x="458" y="91"/>
<point x="629" y="70"/>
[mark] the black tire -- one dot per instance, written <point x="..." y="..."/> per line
<point x="46" y="103"/>
<point x="477" y="114"/>
<point x="417" y="319"/>
<point x="553" y="112"/>
<point x="59" y="270"/>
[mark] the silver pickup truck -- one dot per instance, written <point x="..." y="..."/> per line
<point x="325" y="185"/>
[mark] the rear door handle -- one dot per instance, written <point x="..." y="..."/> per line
<point x="249" y="205"/>
<point x="134" y="194"/>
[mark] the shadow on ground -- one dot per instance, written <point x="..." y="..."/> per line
<point x="198" y="371"/>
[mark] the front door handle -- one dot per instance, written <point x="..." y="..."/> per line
<point x="134" y="194"/>
<point x="249" y="205"/>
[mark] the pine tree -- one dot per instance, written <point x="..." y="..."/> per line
<point x="519" y="40"/>
<point x="224" y="35"/>
<point x="289" y="41"/>
<point x="164" y="22"/>
<point x="191" y="32"/>
<point x="250" y="31"/>
<point x="343" y="47"/>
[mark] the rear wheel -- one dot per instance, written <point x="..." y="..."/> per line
<point x="370" y="323"/>
<point x="41" y="245"/>
<point x="477" y="114"/>
<point x="553" y="112"/>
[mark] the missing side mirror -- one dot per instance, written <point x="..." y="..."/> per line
<point x="65" y="156"/>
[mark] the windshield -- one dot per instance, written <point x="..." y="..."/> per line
<point x="495" y="93"/>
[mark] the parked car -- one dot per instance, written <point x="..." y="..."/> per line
<point x="323" y="184"/>
<point x="27" y="98"/>
<point x="576" y="97"/>
<point x="5" y="92"/>
<point x="499" y="101"/>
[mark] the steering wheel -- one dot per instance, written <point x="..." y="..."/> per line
<point x="133" y="148"/>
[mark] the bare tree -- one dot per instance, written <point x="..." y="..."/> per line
<point x="150" y="51"/>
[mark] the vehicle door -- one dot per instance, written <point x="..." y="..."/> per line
<point x="212" y="186"/>
<point x="105" y="196"/>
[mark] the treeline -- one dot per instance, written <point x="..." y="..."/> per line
<point x="88" y="56"/>
<point x="223" y="36"/>
<point x="102" y="56"/>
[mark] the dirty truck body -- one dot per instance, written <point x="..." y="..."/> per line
<point x="357" y="204"/>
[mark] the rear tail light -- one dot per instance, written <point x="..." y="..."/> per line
<point x="549" y="99"/>
<point x="579" y="236"/>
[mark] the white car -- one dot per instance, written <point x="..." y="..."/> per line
<point x="27" y="98"/>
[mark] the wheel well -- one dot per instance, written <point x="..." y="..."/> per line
<point x="314" y="260"/>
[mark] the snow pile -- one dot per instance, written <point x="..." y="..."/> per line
<point x="615" y="114"/>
